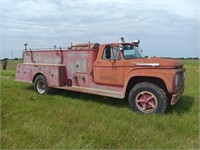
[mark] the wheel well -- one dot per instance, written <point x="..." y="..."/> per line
<point x="157" y="81"/>
<point x="35" y="76"/>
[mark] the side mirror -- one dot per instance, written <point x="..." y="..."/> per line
<point x="108" y="52"/>
<point x="121" y="48"/>
<point x="146" y="56"/>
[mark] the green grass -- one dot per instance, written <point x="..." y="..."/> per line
<point x="75" y="120"/>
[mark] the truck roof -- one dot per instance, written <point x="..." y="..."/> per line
<point x="85" y="46"/>
<point x="89" y="46"/>
<point x="114" y="44"/>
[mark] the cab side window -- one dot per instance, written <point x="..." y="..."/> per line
<point x="111" y="53"/>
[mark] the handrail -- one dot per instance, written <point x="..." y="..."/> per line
<point x="38" y="49"/>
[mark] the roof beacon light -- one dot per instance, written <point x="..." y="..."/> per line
<point x="25" y="44"/>
<point x="121" y="40"/>
<point x="136" y="42"/>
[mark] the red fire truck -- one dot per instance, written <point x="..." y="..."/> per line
<point x="115" y="70"/>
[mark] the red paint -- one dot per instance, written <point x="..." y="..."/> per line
<point x="146" y="101"/>
<point x="82" y="66"/>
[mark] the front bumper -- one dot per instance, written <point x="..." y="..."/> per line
<point x="177" y="95"/>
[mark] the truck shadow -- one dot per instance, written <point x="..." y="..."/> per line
<point x="120" y="103"/>
<point x="183" y="106"/>
<point x="93" y="98"/>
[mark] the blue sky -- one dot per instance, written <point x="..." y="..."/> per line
<point x="166" y="28"/>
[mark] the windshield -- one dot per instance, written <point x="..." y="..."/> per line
<point x="131" y="52"/>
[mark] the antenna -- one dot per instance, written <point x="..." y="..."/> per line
<point x="12" y="54"/>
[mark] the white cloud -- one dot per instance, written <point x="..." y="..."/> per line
<point x="47" y="22"/>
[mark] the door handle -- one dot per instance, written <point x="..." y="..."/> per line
<point x="99" y="62"/>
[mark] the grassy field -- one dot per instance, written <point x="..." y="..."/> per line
<point x="74" y="120"/>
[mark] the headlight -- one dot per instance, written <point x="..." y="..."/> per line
<point x="176" y="79"/>
<point x="179" y="79"/>
<point x="184" y="74"/>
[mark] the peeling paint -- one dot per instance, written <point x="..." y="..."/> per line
<point x="85" y="68"/>
<point x="70" y="54"/>
<point x="83" y="54"/>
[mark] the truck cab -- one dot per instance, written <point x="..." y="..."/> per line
<point x="111" y="61"/>
<point x="116" y="70"/>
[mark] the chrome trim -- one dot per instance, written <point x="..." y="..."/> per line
<point x="148" y="64"/>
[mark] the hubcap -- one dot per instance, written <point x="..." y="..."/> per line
<point x="146" y="101"/>
<point x="41" y="86"/>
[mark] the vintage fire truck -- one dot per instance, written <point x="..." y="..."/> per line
<point x="115" y="70"/>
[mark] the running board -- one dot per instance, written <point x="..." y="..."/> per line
<point x="101" y="92"/>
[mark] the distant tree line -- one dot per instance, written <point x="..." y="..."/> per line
<point x="146" y="57"/>
<point x="11" y="59"/>
<point x="180" y="57"/>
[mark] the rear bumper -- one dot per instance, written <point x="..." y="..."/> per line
<point x="177" y="95"/>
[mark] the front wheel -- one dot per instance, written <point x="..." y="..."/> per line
<point x="147" y="98"/>
<point x="41" y="85"/>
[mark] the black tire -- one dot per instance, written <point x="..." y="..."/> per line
<point x="41" y="85"/>
<point x="147" y="98"/>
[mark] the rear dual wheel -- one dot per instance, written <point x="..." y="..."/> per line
<point x="147" y="98"/>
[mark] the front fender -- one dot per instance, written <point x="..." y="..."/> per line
<point x="166" y="75"/>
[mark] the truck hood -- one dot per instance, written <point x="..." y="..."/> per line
<point x="157" y="62"/>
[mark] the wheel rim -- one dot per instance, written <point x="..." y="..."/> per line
<point x="146" y="101"/>
<point x="41" y="87"/>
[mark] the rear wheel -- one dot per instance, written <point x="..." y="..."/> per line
<point x="41" y="85"/>
<point x="147" y="98"/>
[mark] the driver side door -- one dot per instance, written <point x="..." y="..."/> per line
<point x="109" y="69"/>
